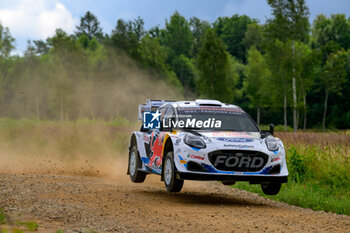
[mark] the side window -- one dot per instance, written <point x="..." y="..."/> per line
<point x="169" y="116"/>
<point x="169" y="113"/>
<point x="162" y="112"/>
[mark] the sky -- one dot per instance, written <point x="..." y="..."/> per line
<point x="38" y="19"/>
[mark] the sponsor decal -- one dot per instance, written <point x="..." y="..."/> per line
<point x="182" y="161"/>
<point x="231" y="134"/>
<point x="151" y="120"/>
<point x="224" y="139"/>
<point x="177" y="142"/>
<point x="178" y="150"/>
<point x="206" y="109"/>
<point x="239" y="161"/>
<point x="195" y="157"/>
<point x="239" y="146"/>
<point x="275" y="159"/>
<point x="145" y="138"/>
<point x="194" y="148"/>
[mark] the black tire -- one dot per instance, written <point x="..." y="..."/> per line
<point x="228" y="182"/>
<point x="135" y="163"/>
<point x="271" y="188"/>
<point x="172" y="184"/>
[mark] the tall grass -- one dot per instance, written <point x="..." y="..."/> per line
<point x="319" y="172"/>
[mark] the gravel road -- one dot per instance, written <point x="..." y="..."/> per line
<point x="77" y="203"/>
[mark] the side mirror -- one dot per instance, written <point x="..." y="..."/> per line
<point x="272" y="129"/>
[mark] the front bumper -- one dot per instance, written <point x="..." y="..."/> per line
<point x="253" y="179"/>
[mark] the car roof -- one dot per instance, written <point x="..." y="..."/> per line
<point x="204" y="103"/>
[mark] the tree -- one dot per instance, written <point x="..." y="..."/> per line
<point x="215" y="70"/>
<point x="253" y="36"/>
<point x="153" y="55"/>
<point x="290" y="22"/>
<point x="177" y="35"/>
<point x="306" y="64"/>
<point x="198" y="29"/>
<point x="41" y="47"/>
<point x="185" y="72"/>
<point x="125" y="38"/>
<point x="333" y="78"/>
<point x="256" y="84"/>
<point x="138" y="28"/>
<point x="6" y="42"/>
<point x="89" y="26"/>
<point x="154" y="32"/>
<point x="336" y="29"/>
<point x="232" y="32"/>
<point x="277" y="58"/>
<point x="6" y="63"/>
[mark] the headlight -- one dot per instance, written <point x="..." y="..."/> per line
<point x="271" y="143"/>
<point x="194" y="141"/>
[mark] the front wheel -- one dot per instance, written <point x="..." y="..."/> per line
<point x="271" y="188"/>
<point x="171" y="183"/>
<point x="136" y="176"/>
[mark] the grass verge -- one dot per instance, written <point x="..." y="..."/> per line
<point x="319" y="177"/>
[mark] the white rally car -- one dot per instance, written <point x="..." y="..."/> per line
<point x="204" y="140"/>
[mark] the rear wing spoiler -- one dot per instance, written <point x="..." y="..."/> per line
<point x="151" y="106"/>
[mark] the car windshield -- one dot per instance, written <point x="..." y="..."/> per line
<point x="213" y="118"/>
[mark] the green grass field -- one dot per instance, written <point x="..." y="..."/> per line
<point x="319" y="172"/>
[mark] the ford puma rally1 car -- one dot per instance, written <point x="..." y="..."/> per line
<point x="204" y="140"/>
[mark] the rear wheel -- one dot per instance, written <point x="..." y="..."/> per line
<point x="271" y="188"/>
<point x="171" y="183"/>
<point x="136" y="176"/>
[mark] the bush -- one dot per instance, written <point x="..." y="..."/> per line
<point x="297" y="166"/>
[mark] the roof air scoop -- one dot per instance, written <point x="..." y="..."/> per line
<point x="205" y="102"/>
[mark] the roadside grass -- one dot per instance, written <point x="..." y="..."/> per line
<point x="319" y="172"/>
<point x="7" y="225"/>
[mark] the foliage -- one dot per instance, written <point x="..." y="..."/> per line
<point x="198" y="29"/>
<point x="214" y="69"/>
<point x="89" y="26"/>
<point x="290" y="20"/>
<point x="124" y="38"/>
<point x="253" y="36"/>
<point x="318" y="172"/>
<point x="333" y="77"/>
<point x="232" y="32"/>
<point x="177" y="35"/>
<point x="6" y="42"/>
<point x="257" y="77"/>
<point x="60" y="77"/>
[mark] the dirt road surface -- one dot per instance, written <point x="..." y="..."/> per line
<point x="84" y="202"/>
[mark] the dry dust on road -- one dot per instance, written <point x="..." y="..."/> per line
<point x="82" y="202"/>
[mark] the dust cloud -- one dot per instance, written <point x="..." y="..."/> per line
<point x="75" y="105"/>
